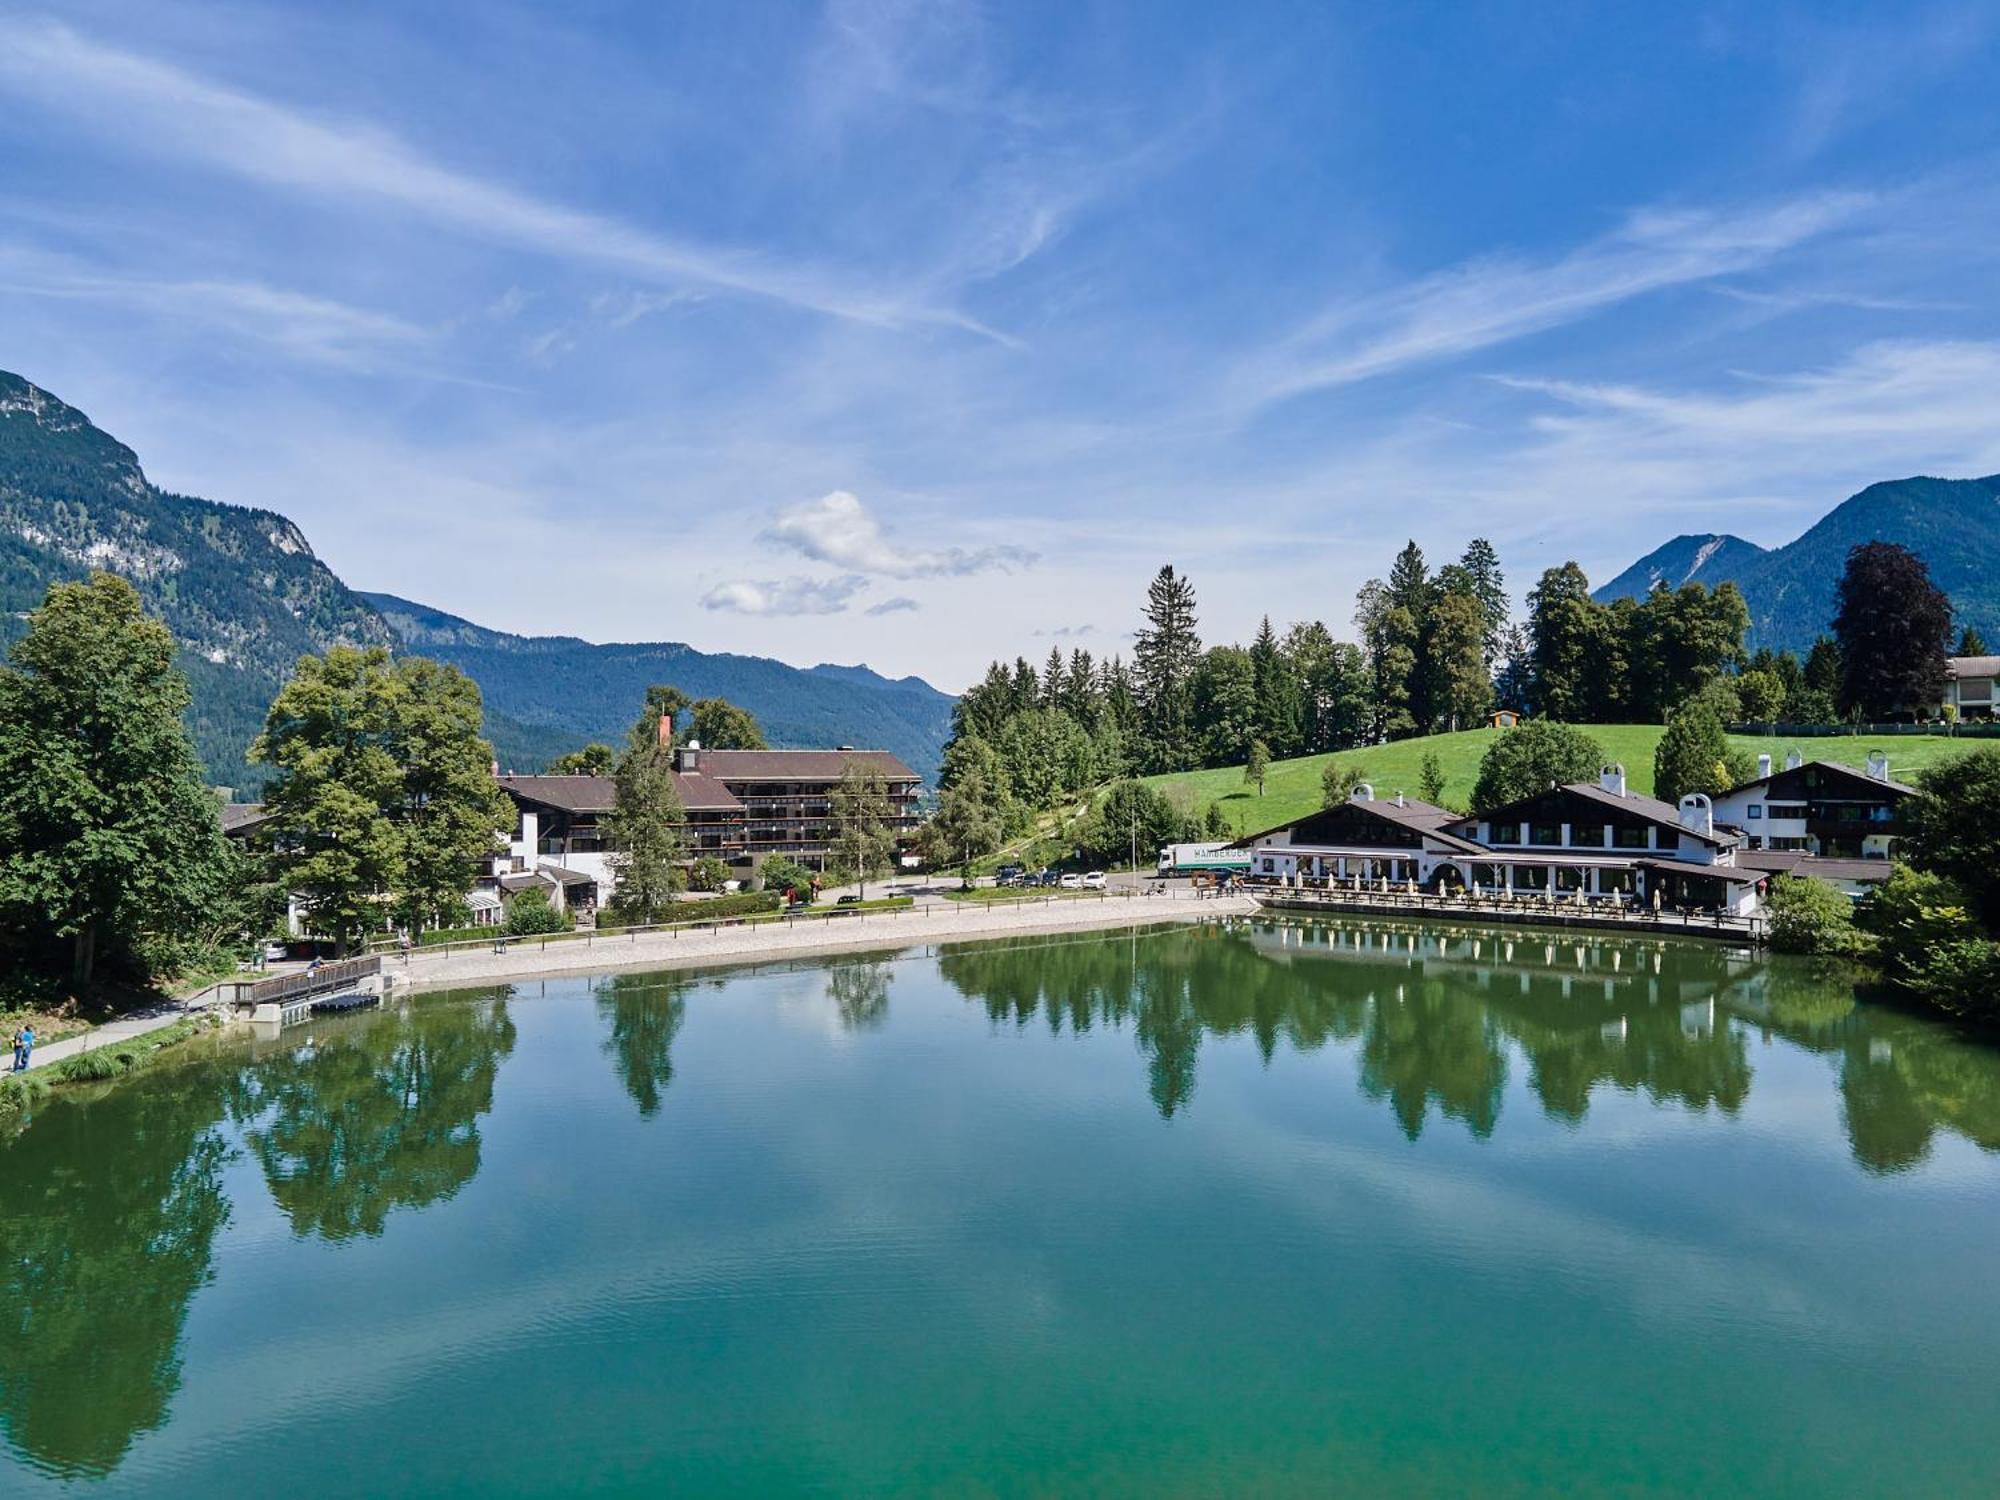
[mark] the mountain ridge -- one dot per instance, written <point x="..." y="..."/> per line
<point x="1953" y="524"/>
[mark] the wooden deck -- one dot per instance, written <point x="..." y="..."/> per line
<point x="1522" y="911"/>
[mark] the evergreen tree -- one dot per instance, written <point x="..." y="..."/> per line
<point x="1566" y="637"/>
<point x="718" y="724"/>
<point x="1055" y="679"/>
<point x="1461" y="682"/>
<point x="1079" y="699"/>
<point x="1971" y="643"/>
<point x="1337" y="783"/>
<point x="864" y="843"/>
<point x="1389" y="639"/>
<point x="1481" y="566"/>
<point x="1166" y="655"/>
<point x="1693" y="755"/>
<point x="1279" y="700"/>
<point x="1430" y="780"/>
<point x="1027" y="692"/>
<point x="1412" y="596"/>
<point x="1893" y="625"/>
<point x="1513" y="684"/>
<point x="109" y="844"/>
<point x="1823" y="668"/>
<point x="646" y="831"/>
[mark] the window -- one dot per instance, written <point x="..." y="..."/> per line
<point x="1569" y="878"/>
<point x="1631" y="836"/>
<point x="1506" y="833"/>
<point x="1545" y="833"/>
<point x="1531" y="878"/>
<point x="1669" y="839"/>
<point x="1756" y="810"/>
<point x="1587" y="835"/>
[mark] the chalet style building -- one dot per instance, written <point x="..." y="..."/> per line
<point x="1818" y="807"/>
<point x="1577" y="841"/>
<point x="742" y="807"/>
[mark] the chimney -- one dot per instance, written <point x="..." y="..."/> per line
<point x="1878" y="765"/>
<point x="1611" y="778"/>
<point x="1697" y="813"/>
<point x="1363" y="792"/>
<point x="688" y="757"/>
<point x="1399" y="799"/>
<point x="1793" y="759"/>
<point x="666" y="731"/>
<point x="1763" y="766"/>
<point x="494" y="767"/>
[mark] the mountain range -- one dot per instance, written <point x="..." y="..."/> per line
<point x="245" y="597"/>
<point x="1953" y="524"/>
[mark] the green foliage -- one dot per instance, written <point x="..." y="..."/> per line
<point x="645" y="828"/>
<point x="1258" y="767"/>
<point x="1693" y="754"/>
<point x="1812" y="916"/>
<point x="531" y="913"/>
<point x="382" y="803"/>
<point x="708" y="874"/>
<point x="720" y="725"/>
<point x="966" y="827"/>
<point x="594" y="759"/>
<point x="1430" y="784"/>
<point x="1761" y="695"/>
<point x="1164" y="657"/>
<point x="1954" y="823"/>
<point x="864" y="841"/>
<point x="1528" y="758"/>
<point x="781" y="874"/>
<point x="1338" y="781"/>
<point x="1132" y="812"/>
<point x="1931" y="945"/>
<point x="109" y="846"/>
<point x="1971" y="643"/>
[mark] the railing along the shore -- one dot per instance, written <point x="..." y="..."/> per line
<point x="1522" y="908"/>
<point x="590" y="937"/>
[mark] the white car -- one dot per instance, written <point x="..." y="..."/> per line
<point x="1094" y="881"/>
<point x="1071" y="882"/>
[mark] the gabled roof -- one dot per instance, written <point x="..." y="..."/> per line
<point x="598" y="794"/>
<point x="1419" y="817"/>
<point x="800" y="765"/>
<point x="1972" y="666"/>
<point x="1852" y="773"/>
<point x="1652" y="809"/>
<point x="242" y="817"/>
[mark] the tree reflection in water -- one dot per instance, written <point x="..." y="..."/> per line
<point x="860" y="991"/>
<point x="108" y="1213"/>
<point x="644" y="1013"/>
<point x="1435" y="1009"/>
<point x="380" y="1116"/>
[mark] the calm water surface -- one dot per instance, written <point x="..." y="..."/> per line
<point x="1279" y="1208"/>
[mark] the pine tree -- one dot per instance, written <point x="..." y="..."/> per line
<point x="1481" y="565"/>
<point x="1971" y="643"/>
<point x="1054" y="679"/>
<point x="1567" y="645"/>
<point x="647" y="827"/>
<point x="109" y="843"/>
<point x="1165" y="655"/>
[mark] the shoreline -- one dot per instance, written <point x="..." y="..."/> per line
<point x="865" y="931"/>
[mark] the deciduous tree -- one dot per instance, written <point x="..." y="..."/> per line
<point x="864" y="843"/>
<point x="1893" y="625"/>
<point x="1532" y="757"/>
<point x="719" y="724"/>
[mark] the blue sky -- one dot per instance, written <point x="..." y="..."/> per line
<point x="916" y="333"/>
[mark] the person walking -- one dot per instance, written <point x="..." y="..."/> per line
<point x="15" y="1041"/>
<point x="24" y="1051"/>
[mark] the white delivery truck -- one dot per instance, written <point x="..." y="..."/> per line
<point x="1204" y="859"/>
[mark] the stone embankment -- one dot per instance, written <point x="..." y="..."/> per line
<point x="693" y="946"/>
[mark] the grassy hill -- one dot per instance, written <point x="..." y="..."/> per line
<point x="1293" y="787"/>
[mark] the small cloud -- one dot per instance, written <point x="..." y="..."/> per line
<point x="784" y="596"/>
<point x="894" y="606"/>
<point x="838" y="529"/>
<point x="557" y="340"/>
<point x="509" y="305"/>
<point x="621" y="308"/>
<point x="1067" y="630"/>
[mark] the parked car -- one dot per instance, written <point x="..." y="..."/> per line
<point x="1094" y="881"/>
<point x="848" y="900"/>
<point x="1072" y="882"/>
<point x="1047" y="877"/>
<point x="1008" y="874"/>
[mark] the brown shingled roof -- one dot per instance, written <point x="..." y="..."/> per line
<point x="598" y="794"/>
<point x="800" y="765"/>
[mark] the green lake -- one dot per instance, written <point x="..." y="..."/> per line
<point x="1263" y="1208"/>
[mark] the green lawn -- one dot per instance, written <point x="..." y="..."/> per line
<point x="1293" y="787"/>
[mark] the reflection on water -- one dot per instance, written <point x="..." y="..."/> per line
<point x="111" y="1207"/>
<point x="1436" y="1008"/>
<point x="380" y="1117"/>
<point x="108" y="1212"/>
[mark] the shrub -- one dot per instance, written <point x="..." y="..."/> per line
<point x="1811" y="916"/>
<point x="1931" y="945"/>
<point x="530" y="914"/>
<point x="90" y="1067"/>
<point x="779" y="874"/>
<point x="708" y="874"/>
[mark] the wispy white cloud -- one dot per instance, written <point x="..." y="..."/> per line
<point x="784" y="596"/>
<point x="157" y="107"/>
<point x="309" y="327"/>
<point x="901" y="604"/>
<point x="838" y="529"/>
<point x="1497" y="299"/>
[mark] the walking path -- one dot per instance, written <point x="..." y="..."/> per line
<point x="529" y="958"/>
<point x="139" y="1023"/>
